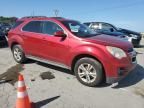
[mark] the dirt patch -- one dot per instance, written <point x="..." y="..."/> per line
<point x="11" y="75"/>
<point x="47" y="75"/>
<point x="139" y="91"/>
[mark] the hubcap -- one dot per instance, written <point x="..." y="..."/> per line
<point x="17" y="54"/>
<point x="87" y="72"/>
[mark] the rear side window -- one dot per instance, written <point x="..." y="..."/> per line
<point x="17" y="24"/>
<point x="34" y="26"/>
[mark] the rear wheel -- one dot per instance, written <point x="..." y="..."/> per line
<point x="18" y="54"/>
<point x="89" y="71"/>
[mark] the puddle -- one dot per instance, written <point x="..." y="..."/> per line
<point x="11" y="75"/>
<point x="47" y="75"/>
<point x="139" y="91"/>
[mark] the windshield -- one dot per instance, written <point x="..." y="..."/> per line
<point x="79" y="29"/>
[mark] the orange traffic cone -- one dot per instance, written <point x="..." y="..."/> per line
<point x="22" y="96"/>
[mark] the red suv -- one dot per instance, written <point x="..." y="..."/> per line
<point x="67" y="43"/>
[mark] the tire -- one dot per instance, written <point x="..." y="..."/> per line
<point x="92" y="75"/>
<point x="18" y="54"/>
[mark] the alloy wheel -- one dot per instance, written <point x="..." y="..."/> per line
<point x="17" y="54"/>
<point x="87" y="73"/>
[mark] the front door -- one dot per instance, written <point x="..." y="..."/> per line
<point x="55" y="48"/>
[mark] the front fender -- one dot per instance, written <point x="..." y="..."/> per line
<point x="97" y="52"/>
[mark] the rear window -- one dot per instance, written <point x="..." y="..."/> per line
<point x="17" y="24"/>
<point x="33" y="26"/>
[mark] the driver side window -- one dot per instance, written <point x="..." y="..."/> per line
<point x="51" y="27"/>
<point x="107" y="27"/>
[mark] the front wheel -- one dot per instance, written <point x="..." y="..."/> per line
<point x="18" y="54"/>
<point x="89" y="71"/>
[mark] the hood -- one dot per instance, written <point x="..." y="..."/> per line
<point x="112" y="33"/>
<point x="110" y="41"/>
<point x="129" y="31"/>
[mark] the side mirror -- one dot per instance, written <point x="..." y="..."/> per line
<point x="60" y="34"/>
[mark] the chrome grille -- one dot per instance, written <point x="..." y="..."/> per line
<point x="132" y="54"/>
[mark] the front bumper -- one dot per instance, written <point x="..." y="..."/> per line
<point x="136" y="42"/>
<point x="118" y="69"/>
<point x="111" y="80"/>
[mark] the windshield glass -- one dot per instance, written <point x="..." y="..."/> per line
<point x="79" y="29"/>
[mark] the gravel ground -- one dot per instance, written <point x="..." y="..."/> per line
<point x="62" y="90"/>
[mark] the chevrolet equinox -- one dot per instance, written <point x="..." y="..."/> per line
<point x="93" y="57"/>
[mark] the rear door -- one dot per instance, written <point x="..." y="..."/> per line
<point x="33" y="42"/>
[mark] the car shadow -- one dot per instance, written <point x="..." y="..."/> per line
<point x="133" y="78"/>
<point x="140" y="46"/>
<point x="63" y="70"/>
<point x="44" y="102"/>
<point x="5" y="81"/>
<point x="30" y="61"/>
<point x="67" y="71"/>
<point x="102" y="85"/>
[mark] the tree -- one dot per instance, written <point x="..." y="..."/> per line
<point x="8" y="19"/>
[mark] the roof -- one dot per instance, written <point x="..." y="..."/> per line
<point x="98" y="22"/>
<point x="41" y="18"/>
<point x="34" y="17"/>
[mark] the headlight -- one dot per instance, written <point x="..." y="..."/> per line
<point x="116" y="52"/>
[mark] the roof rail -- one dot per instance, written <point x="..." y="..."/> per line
<point x="58" y="18"/>
<point x="34" y="17"/>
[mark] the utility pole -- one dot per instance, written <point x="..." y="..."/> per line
<point x="56" y="12"/>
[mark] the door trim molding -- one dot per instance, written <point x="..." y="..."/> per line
<point x="48" y="61"/>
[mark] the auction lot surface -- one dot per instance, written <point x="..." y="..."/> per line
<point x="62" y="90"/>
